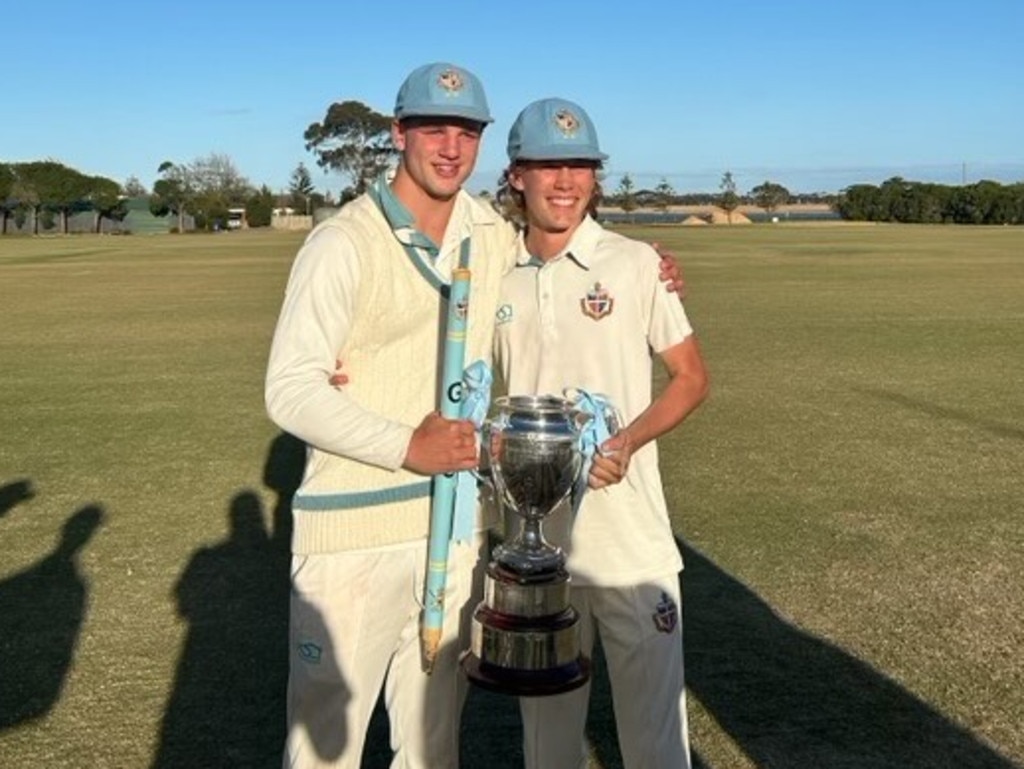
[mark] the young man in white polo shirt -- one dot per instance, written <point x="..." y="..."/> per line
<point x="584" y="308"/>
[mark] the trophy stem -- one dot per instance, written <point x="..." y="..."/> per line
<point x="530" y="537"/>
<point x="528" y="553"/>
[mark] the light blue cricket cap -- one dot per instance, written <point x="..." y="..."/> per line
<point x="553" y="129"/>
<point x="442" y="90"/>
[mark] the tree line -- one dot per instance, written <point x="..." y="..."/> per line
<point x="899" y="200"/>
<point x="42" y="190"/>
<point x="768" y="195"/>
<point x="201" y="194"/>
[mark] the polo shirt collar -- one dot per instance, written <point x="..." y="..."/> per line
<point x="399" y="218"/>
<point x="580" y="248"/>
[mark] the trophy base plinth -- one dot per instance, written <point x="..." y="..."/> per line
<point x="509" y="594"/>
<point x="525" y="637"/>
<point x="526" y="683"/>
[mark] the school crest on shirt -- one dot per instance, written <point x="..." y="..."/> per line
<point x="666" y="614"/>
<point x="566" y="122"/>
<point x="451" y="81"/>
<point x="504" y="314"/>
<point x="597" y="303"/>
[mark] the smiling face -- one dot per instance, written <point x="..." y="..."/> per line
<point x="556" y="196"/>
<point x="438" y="154"/>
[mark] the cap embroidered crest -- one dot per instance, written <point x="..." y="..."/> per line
<point x="597" y="303"/>
<point x="566" y="122"/>
<point x="451" y="81"/>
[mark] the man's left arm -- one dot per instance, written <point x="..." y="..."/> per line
<point x="686" y="389"/>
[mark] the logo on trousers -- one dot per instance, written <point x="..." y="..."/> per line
<point x="666" y="614"/>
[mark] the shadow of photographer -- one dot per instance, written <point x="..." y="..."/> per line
<point x="227" y="706"/>
<point x="42" y="610"/>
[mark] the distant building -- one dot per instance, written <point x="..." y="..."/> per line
<point x="236" y="219"/>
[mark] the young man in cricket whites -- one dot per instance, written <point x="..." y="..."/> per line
<point x="366" y="287"/>
<point x="584" y="308"/>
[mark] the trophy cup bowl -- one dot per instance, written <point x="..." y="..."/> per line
<point x="525" y="635"/>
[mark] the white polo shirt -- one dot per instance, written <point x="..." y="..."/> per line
<point x="592" y="317"/>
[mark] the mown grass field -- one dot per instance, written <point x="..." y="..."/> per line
<point x="849" y="501"/>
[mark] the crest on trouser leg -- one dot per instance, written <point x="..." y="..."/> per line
<point x="666" y="614"/>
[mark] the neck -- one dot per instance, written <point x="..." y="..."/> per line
<point x="546" y="245"/>
<point x="430" y="214"/>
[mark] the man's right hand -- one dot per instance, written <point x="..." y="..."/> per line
<point x="441" y="445"/>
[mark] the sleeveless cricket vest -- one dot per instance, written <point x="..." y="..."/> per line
<point x="392" y="359"/>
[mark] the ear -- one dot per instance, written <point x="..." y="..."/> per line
<point x="398" y="136"/>
<point x="515" y="177"/>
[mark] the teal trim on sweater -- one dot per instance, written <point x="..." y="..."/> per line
<point x="348" y="500"/>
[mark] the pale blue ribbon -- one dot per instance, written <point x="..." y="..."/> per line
<point x="476" y="400"/>
<point x="595" y="432"/>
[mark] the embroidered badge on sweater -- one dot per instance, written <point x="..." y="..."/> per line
<point x="504" y="314"/>
<point x="666" y="614"/>
<point x="597" y="303"/>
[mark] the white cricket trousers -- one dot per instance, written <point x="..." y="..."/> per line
<point x="355" y="619"/>
<point x="641" y="634"/>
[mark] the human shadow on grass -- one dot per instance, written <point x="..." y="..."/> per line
<point x="791" y="700"/>
<point x="999" y="429"/>
<point x="41" y="613"/>
<point x="227" y="707"/>
<point x="14" y="493"/>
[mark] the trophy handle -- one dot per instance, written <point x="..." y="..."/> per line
<point x="485" y="437"/>
<point x="482" y="472"/>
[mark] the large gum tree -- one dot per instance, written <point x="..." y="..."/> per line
<point x="353" y="140"/>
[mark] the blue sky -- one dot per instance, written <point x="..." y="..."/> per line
<point x="812" y="95"/>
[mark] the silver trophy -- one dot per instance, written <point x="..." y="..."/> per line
<point x="525" y="635"/>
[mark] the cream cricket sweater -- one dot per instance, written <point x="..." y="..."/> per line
<point x="356" y="295"/>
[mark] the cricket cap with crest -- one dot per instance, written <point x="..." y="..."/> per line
<point x="553" y="129"/>
<point x="442" y="90"/>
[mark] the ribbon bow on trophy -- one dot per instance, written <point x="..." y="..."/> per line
<point x="604" y="422"/>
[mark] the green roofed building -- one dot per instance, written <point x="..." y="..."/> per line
<point x="140" y="221"/>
